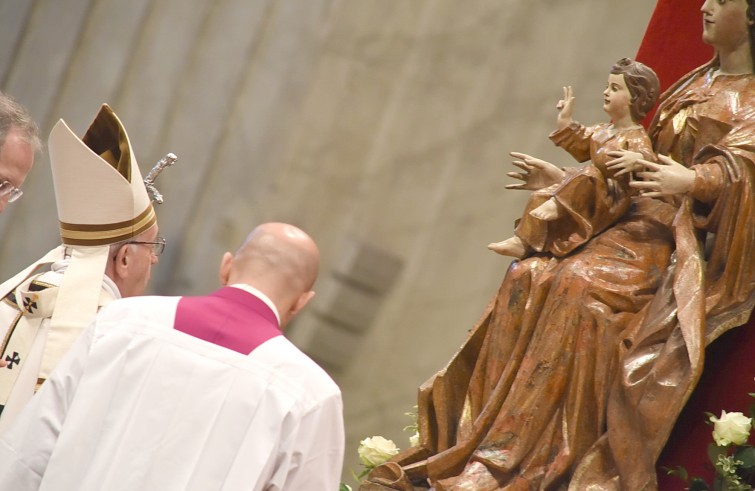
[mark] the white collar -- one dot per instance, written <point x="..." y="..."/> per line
<point x="261" y="296"/>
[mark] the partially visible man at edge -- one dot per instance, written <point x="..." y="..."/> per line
<point x="109" y="244"/>
<point x="190" y="393"/>
<point x="19" y="141"/>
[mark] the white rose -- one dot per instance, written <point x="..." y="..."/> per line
<point x="414" y="439"/>
<point x="731" y="428"/>
<point x="376" y="450"/>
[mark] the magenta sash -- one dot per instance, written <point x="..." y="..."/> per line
<point x="230" y="317"/>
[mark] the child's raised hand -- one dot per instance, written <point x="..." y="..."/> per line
<point x="564" y="107"/>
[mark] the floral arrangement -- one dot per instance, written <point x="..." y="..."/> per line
<point x="413" y="428"/>
<point x="731" y="455"/>
<point x="377" y="450"/>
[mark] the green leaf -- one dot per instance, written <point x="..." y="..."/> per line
<point x="714" y="451"/>
<point x="697" y="484"/>
<point x="747" y="456"/>
<point x="344" y="487"/>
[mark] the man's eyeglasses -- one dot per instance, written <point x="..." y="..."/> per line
<point x="158" y="246"/>
<point x="9" y="190"/>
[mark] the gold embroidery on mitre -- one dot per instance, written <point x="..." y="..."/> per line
<point x="101" y="234"/>
<point x="107" y="137"/>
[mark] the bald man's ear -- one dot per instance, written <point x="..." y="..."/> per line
<point x="225" y="268"/>
<point x="301" y="302"/>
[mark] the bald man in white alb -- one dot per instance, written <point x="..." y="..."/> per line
<point x="190" y="393"/>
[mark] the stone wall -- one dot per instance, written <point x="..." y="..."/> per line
<point x="382" y="127"/>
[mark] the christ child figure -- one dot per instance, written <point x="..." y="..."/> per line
<point x="566" y="215"/>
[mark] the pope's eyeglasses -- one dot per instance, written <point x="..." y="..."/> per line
<point x="157" y="246"/>
<point x="9" y="190"/>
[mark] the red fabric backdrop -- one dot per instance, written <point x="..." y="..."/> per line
<point x="672" y="46"/>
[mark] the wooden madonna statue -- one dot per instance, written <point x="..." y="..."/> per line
<point x="582" y="363"/>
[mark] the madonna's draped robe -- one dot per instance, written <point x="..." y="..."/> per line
<point x="577" y="370"/>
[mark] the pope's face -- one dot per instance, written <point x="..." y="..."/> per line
<point x="140" y="264"/>
<point x="725" y="24"/>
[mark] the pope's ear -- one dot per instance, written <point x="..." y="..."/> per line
<point x="117" y="266"/>
<point x="225" y="268"/>
<point x="123" y="256"/>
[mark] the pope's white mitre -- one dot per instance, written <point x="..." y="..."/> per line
<point x="99" y="190"/>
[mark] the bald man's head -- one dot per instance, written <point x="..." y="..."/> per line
<point x="278" y="259"/>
